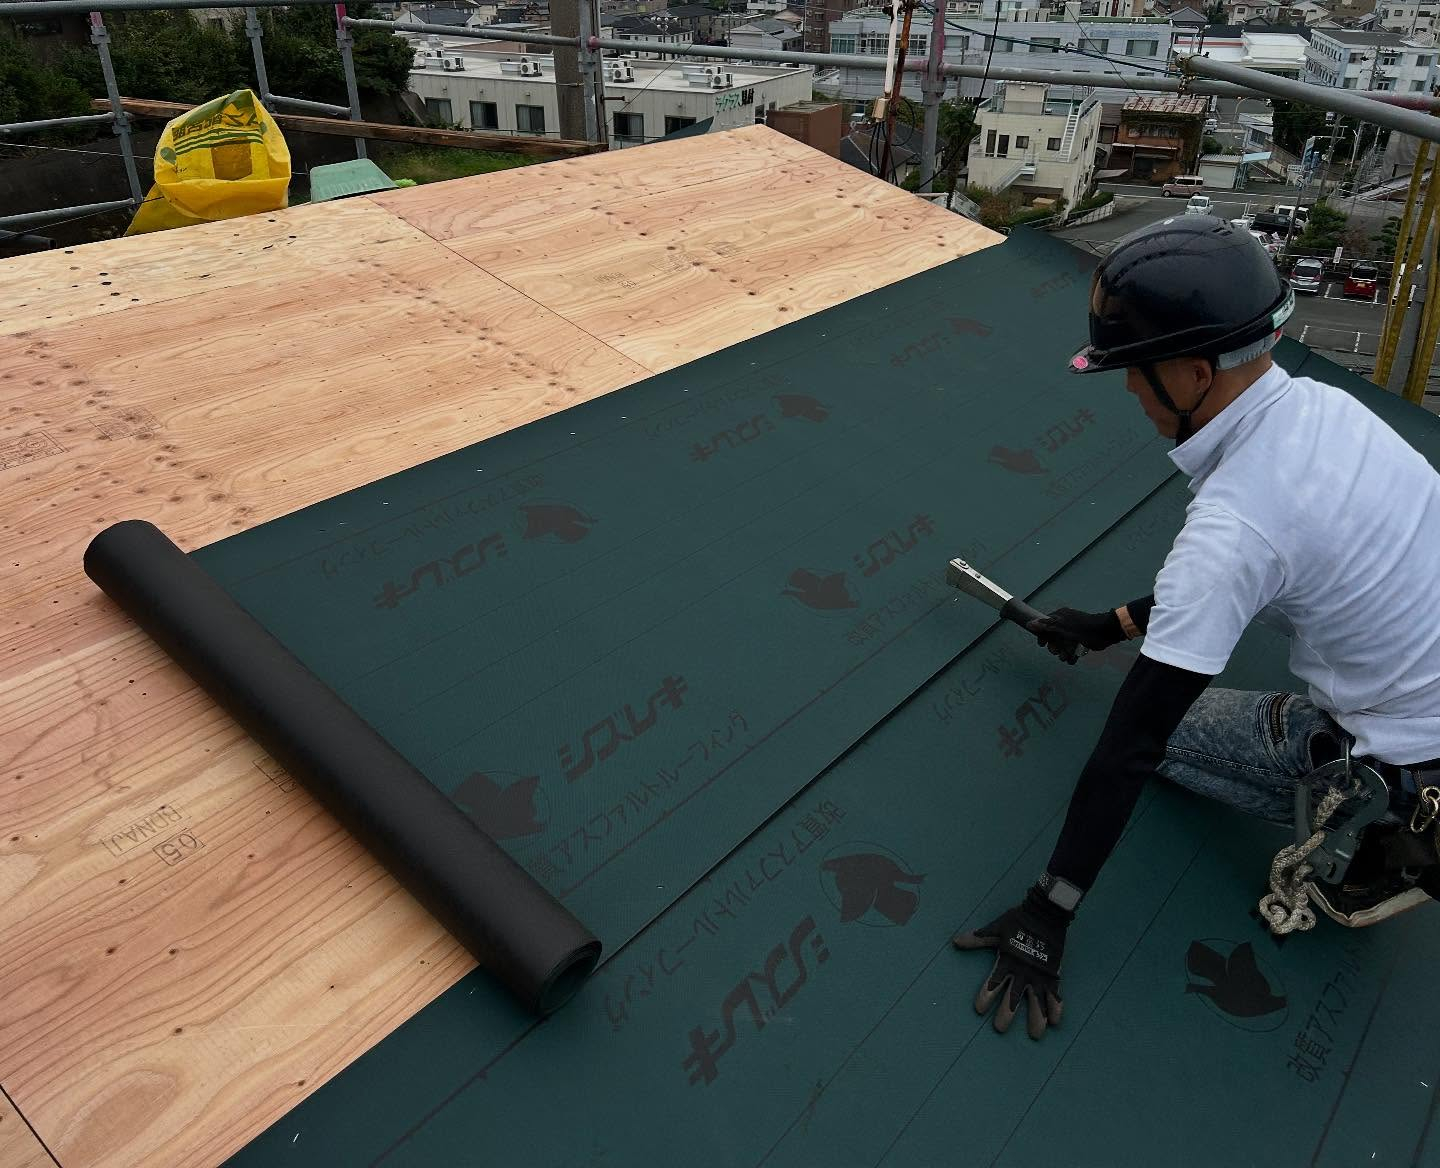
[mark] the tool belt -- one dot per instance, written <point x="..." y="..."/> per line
<point x="1415" y="800"/>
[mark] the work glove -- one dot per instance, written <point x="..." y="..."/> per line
<point x="1067" y="630"/>
<point x="1029" y="941"/>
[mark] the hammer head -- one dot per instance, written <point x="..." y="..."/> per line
<point x="959" y="574"/>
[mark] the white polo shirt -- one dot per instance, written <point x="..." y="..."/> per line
<point x="1314" y="515"/>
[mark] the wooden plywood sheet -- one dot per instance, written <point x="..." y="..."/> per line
<point x="18" y="1146"/>
<point x="735" y="251"/>
<point x="191" y="945"/>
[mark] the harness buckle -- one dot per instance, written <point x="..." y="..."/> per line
<point x="1331" y="858"/>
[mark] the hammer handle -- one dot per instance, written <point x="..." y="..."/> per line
<point x="1021" y="613"/>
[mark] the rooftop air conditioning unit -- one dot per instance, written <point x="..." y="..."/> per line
<point x="420" y="59"/>
<point x="453" y="63"/>
<point x="722" y="81"/>
<point x="529" y="68"/>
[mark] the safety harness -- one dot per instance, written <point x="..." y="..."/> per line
<point x="1324" y="852"/>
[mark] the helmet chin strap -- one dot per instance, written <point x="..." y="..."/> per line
<point x="1186" y="428"/>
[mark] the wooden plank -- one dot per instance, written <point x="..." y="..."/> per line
<point x="155" y="1011"/>
<point x="743" y="252"/>
<point x="49" y="289"/>
<point x="18" y="1146"/>
<point x="469" y="206"/>
<point x="531" y="147"/>
<point x="141" y="1020"/>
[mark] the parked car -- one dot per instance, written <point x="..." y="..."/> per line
<point x="1363" y="279"/>
<point x="1198" y="205"/>
<point x="1298" y="215"/>
<point x="1308" y="275"/>
<point x="1183" y="184"/>
<point x="1267" y="241"/>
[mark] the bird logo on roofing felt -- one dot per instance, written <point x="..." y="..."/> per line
<point x="870" y="884"/>
<point x="503" y="805"/>
<point x="1017" y="461"/>
<point x="560" y="521"/>
<point x="821" y="591"/>
<point x="802" y="405"/>
<point x="1233" y="982"/>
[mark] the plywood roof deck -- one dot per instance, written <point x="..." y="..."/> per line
<point x="163" y="1006"/>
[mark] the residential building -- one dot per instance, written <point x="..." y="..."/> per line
<point x="1407" y="17"/>
<point x="1039" y="139"/>
<point x="1128" y="46"/>
<point x="769" y="33"/>
<point x="1159" y="136"/>
<point x="613" y="8"/>
<point x="1381" y="61"/>
<point x="1269" y="48"/>
<point x="705" y="24"/>
<point x="659" y="28"/>
<point x="819" y="15"/>
<point x="466" y="17"/>
<point x="647" y="99"/>
<point x="1016" y="10"/>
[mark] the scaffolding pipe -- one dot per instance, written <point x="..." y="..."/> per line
<point x="254" y="33"/>
<point x="314" y="107"/>
<point x="1342" y="101"/>
<point x="345" y="43"/>
<point x="478" y="34"/>
<point x="48" y="123"/>
<point x="119" y="119"/>
<point x="9" y="222"/>
<point x="56" y="7"/>
<point x="1394" y="304"/>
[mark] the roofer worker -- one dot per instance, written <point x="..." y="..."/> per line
<point x="1308" y="513"/>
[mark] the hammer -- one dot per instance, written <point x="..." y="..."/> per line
<point x="959" y="574"/>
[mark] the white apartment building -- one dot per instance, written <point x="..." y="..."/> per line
<point x="1408" y="17"/>
<point x="1370" y="60"/>
<point x="1132" y="46"/>
<point x="1040" y="139"/>
<point x="1270" y="49"/>
<point x="648" y="99"/>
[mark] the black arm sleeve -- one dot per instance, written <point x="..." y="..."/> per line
<point x="1139" y="611"/>
<point x="1152" y="700"/>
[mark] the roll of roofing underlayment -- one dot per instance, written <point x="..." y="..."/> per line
<point x="492" y="906"/>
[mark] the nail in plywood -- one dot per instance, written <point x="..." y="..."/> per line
<point x="191" y="946"/>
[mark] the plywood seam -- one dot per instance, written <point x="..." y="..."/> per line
<point x="24" y="1119"/>
<point x="539" y="304"/>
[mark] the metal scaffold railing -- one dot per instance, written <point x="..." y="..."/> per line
<point x="1192" y="74"/>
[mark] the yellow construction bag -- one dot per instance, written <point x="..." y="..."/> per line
<point x="222" y="159"/>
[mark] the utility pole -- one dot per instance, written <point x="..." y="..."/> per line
<point x="934" y="89"/>
<point x="569" y="91"/>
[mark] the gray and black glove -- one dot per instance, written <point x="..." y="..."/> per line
<point x="1066" y="630"/>
<point x="1029" y="941"/>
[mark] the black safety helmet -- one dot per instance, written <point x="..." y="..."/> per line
<point x="1189" y="286"/>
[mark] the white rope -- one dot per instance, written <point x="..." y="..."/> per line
<point x="1286" y="907"/>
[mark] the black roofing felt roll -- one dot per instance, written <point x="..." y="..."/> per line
<point x="514" y="927"/>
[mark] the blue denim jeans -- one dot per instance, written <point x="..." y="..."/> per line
<point x="1247" y="749"/>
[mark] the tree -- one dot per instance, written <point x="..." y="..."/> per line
<point x="1386" y="238"/>
<point x="953" y="134"/>
<point x="1294" y="123"/>
<point x="168" y="56"/>
<point x="303" y="60"/>
<point x="31" y="89"/>
<point x="1324" y="228"/>
<point x="1215" y="13"/>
